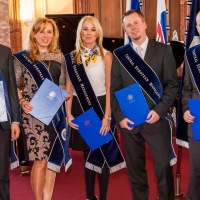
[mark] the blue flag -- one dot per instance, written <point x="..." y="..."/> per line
<point x="131" y="4"/>
<point x="135" y="5"/>
<point x="181" y="129"/>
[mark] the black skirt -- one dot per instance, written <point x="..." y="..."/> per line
<point x="76" y="141"/>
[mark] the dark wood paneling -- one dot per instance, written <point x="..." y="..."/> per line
<point x="110" y="18"/>
<point x="109" y="13"/>
<point x="150" y="16"/>
<point x="174" y="13"/>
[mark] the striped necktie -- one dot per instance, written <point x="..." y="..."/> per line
<point x="139" y="51"/>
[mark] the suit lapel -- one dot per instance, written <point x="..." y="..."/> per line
<point x="150" y="51"/>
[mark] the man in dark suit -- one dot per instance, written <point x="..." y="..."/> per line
<point x="158" y="79"/>
<point x="191" y="90"/>
<point x="9" y="129"/>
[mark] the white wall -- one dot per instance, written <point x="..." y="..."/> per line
<point x="46" y="7"/>
<point x="59" y="6"/>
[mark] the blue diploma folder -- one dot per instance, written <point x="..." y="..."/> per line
<point x="133" y="104"/>
<point x="194" y="105"/>
<point x="89" y="126"/>
<point x="47" y="100"/>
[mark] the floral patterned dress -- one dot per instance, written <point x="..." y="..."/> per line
<point x="39" y="137"/>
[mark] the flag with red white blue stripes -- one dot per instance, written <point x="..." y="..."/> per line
<point x="161" y="22"/>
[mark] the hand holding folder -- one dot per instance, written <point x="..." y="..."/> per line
<point x="47" y="101"/>
<point x="89" y="125"/>
<point x="194" y="105"/>
<point x="133" y="104"/>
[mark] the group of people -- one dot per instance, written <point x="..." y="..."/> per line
<point x="92" y="75"/>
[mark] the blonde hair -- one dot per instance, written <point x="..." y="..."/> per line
<point x="36" y="27"/>
<point x="79" y="41"/>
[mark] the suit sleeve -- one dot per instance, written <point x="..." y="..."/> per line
<point x="12" y="88"/>
<point x="169" y="81"/>
<point x="187" y="89"/>
<point x="116" y="84"/>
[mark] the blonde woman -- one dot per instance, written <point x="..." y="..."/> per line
<point x="89" y="68"/>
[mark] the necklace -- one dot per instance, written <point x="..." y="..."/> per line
<point x="47" y="65"/>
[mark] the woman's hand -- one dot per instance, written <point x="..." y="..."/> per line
<point x="26" y="106"/>
<point x="188" y="117"/>
<point x="67" y="97"/>
<point x="105" y="126"/>
<point x="69" y="121"/>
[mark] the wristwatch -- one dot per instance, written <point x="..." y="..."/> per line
<point x="108" y="117"/>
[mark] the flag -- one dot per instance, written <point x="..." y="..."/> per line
<point x="181" y="129"/>
<point x="131" y="4"/>
<point x="161" y="22"/>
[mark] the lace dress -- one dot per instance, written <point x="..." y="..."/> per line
<point x="39" y="137"/>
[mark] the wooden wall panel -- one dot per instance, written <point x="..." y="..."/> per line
<point x="149" y="11"/>
<point x="110" y="18"/>
<point x="94" y="8"/>
<point x="174" y="20"/>
<point x="109" y="13"/>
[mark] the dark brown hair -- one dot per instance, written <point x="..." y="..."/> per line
<point x="129" y="12"/>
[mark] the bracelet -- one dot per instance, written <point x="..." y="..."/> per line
<point x="21" y="98"/>
<point x="21" y="101"/>
<point x="108" y="117"/>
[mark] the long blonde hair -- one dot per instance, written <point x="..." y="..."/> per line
<point x="79" y="41"/>
<point x="36" y="27"/>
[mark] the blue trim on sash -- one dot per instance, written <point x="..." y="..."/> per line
<point x="142" y="73"/>
<point x="193" y="60"/>
<point x="109" y="152"/>
<point x="13" y="157"/>
<point x="59" y="152"/>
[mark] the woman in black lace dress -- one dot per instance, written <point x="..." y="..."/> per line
<point x="42" y="60"/>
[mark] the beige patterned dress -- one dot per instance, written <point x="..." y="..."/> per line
<point x="39" y="137"/>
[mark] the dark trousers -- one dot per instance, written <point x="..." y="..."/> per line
<point x="22" y="149"/>
<point x="90" y="177"/>
<point x="4" y="164"/>
<point x="157" y="137"/>
<point x="193" y="192"/>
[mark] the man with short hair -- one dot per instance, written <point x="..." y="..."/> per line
<point x="152" y="65"/>
<point x="191" y="90"/>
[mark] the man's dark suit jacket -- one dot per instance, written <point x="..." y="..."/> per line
<point x="189" y="90"/>
<point x="7" y="69"/>
<point x="161" y="60"/>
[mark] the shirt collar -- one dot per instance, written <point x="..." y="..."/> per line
<point x="143" y="45"/>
